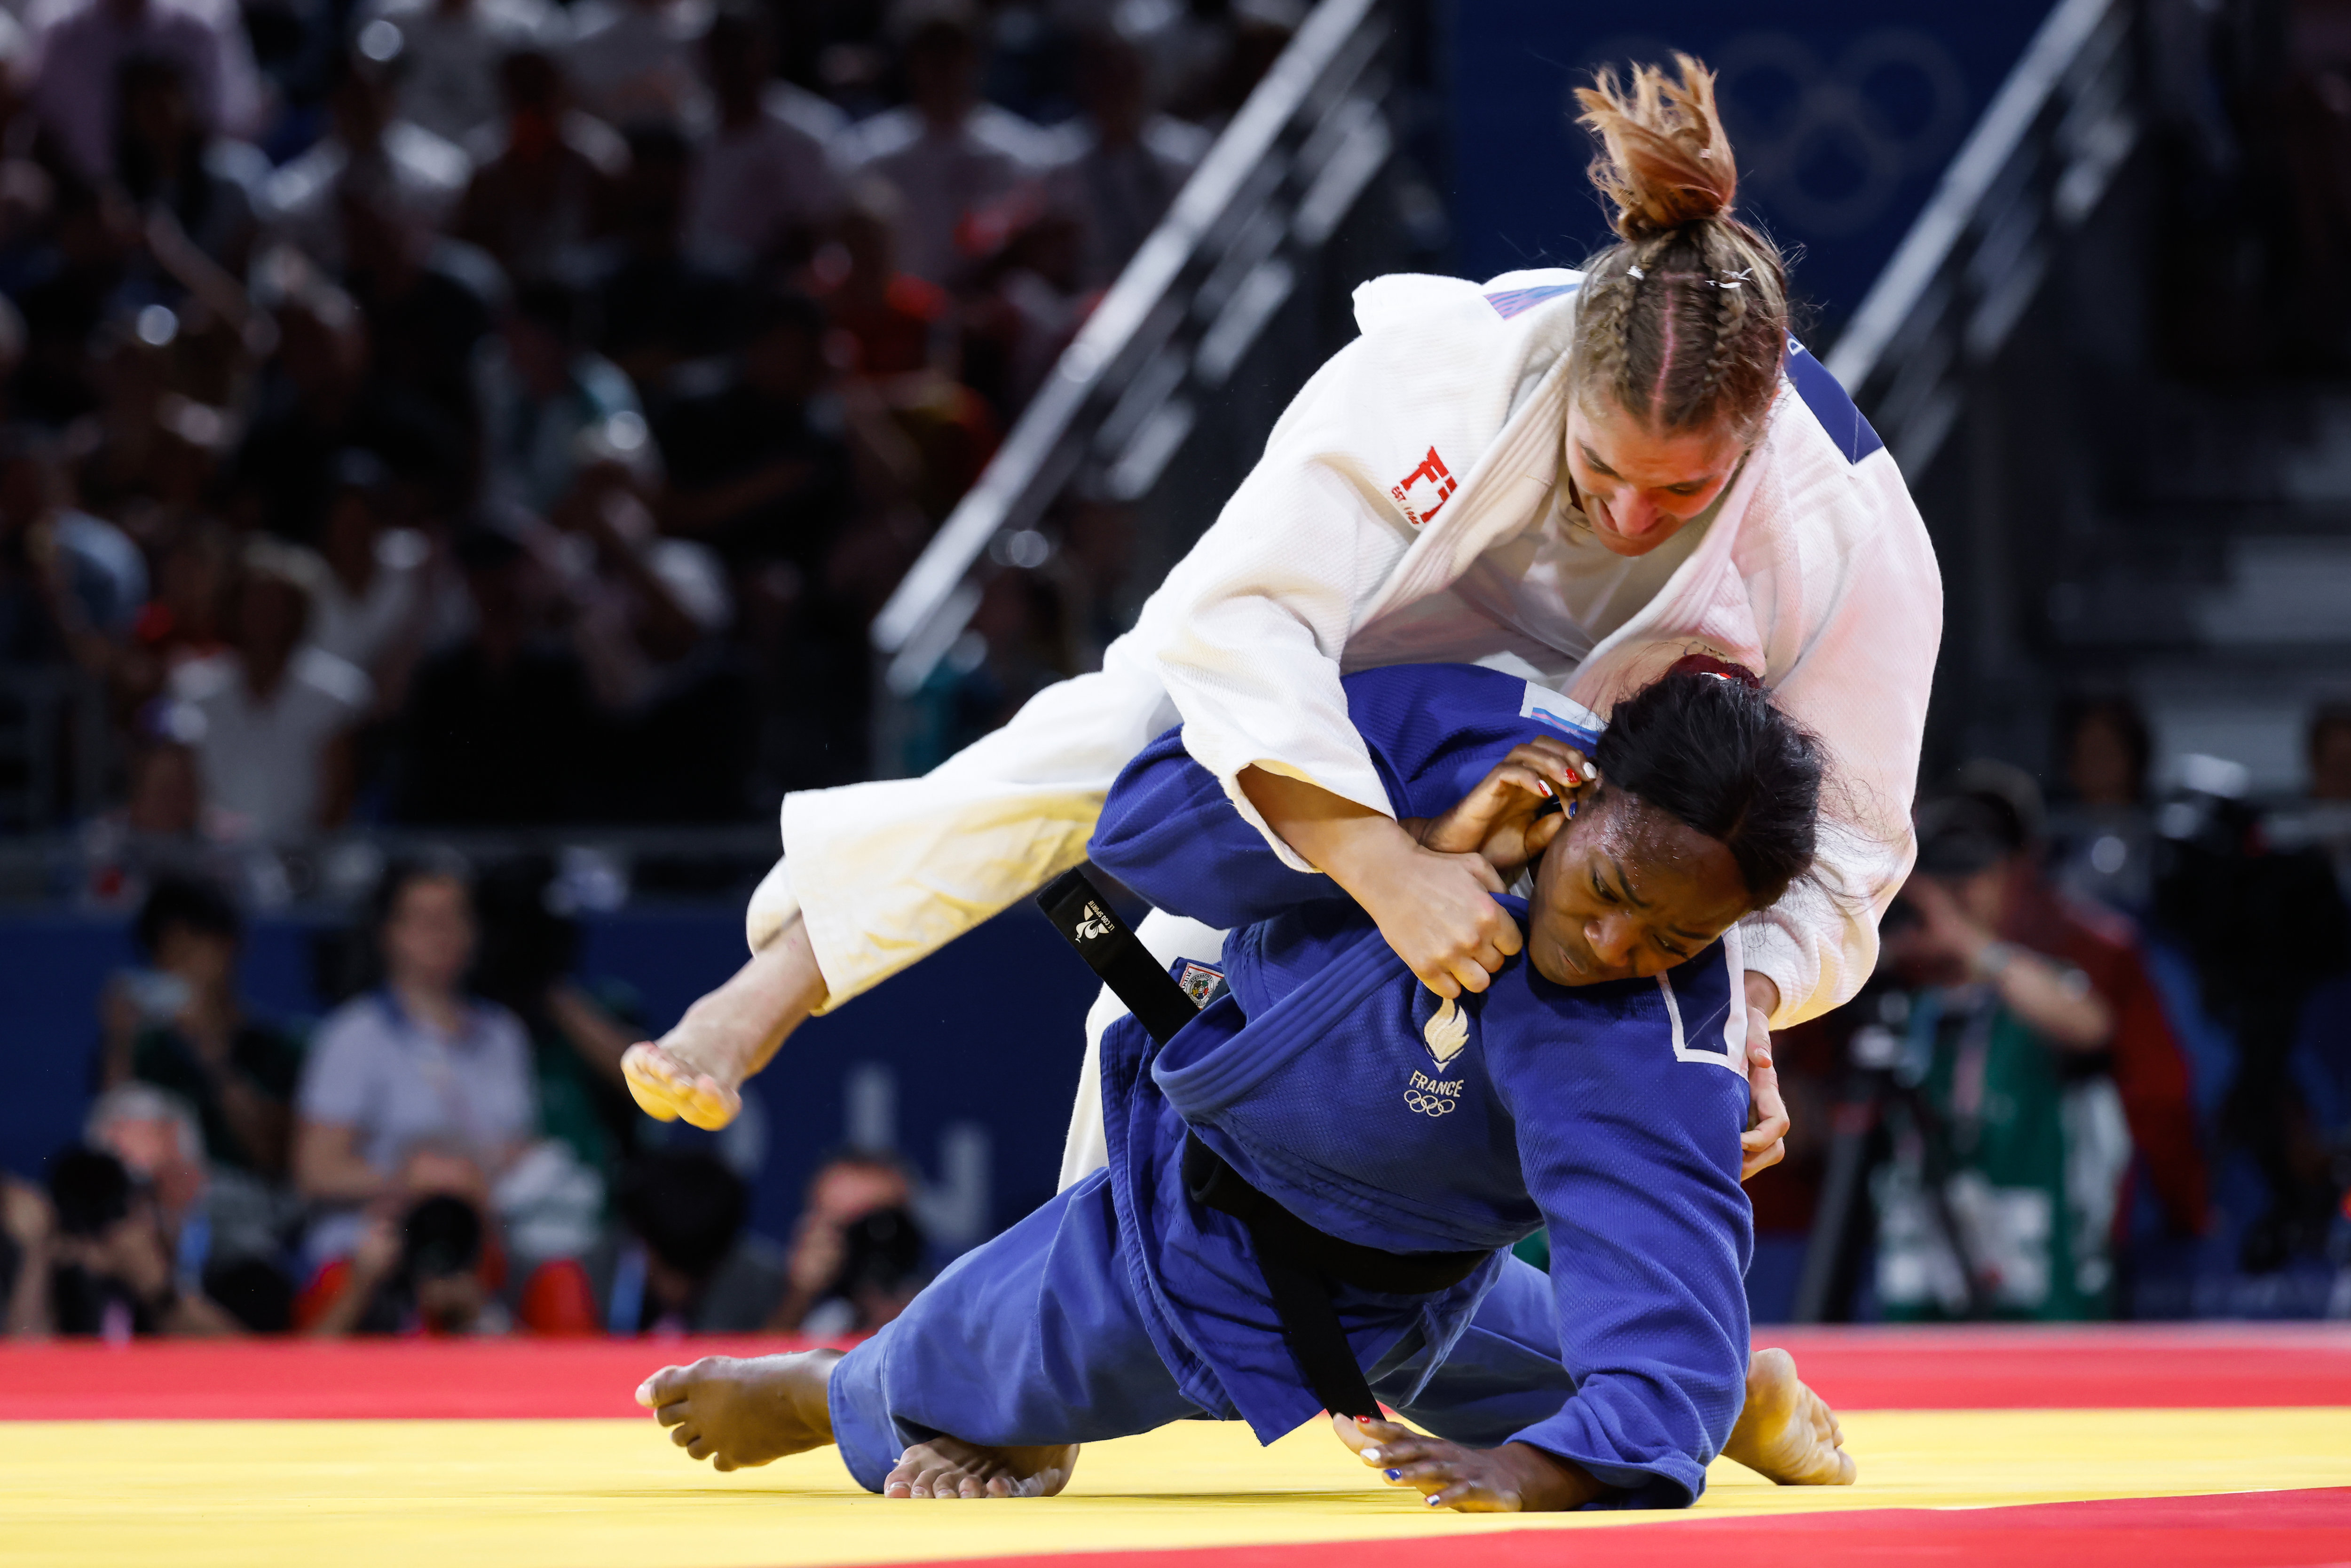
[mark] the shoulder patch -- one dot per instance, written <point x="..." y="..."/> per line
<point x="1509" y="302"/>
<point x="1570" y="718"/>
<point x="1826" y="397"/>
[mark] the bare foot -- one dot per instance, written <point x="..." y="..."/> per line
<point x="1787" y="1433"/>
<point x="697" y="1070"/>
<point x="1516" y="1478"/>
<point x="736" y="1413"/>
<point x="949" y="1467"/>
<point x="668" y="1082"/>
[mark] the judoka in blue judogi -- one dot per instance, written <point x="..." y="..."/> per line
<point x="1329" y="1079"/>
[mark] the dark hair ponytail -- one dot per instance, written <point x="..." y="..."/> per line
<point x="1705" y="746"/>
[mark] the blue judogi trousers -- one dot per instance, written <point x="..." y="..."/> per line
<point x="1037" y="1338"/>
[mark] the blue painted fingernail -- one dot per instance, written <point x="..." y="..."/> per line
<point x="1430" y="1501"/>
<point x="1394" y="1475"/>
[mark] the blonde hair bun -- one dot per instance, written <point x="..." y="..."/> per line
<point x="1665" y="161"/>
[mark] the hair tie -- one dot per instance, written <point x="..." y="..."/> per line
<point x="1635" y="272"/>
<point x="1706" y="665"/>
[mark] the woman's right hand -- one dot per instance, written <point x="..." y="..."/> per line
<point x="1438" y="911"/>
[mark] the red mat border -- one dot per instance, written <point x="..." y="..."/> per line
<point x="2112" y="1368"/>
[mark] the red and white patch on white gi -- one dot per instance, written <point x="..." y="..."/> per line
<point x="1424" y="490"/>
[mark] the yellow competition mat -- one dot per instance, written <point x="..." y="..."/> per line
<point x="594" y="1493"/>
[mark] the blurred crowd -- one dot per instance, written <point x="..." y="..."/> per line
<point x="484" y="411"/>
<point x="451" y="1151"/>
<point x="2107" y="1051"/>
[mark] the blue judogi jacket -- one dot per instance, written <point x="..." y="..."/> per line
<point x="1338" y="1085"/>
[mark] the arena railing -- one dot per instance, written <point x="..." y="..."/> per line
<point x="1156" y="374"/>
<point x="2046" y="151"/>
<point x="591" y="867"/>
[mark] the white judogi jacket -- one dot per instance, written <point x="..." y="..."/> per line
<point x="1356" y="541"/>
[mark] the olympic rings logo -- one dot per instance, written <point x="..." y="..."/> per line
<point x="1429" y="1105"/>
<point x="1827" y="145"/>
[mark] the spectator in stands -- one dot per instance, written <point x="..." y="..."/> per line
<point x="423" y="1273"/>
<point x="897" y="324"/>
<point x="223" y="1226"/>
<point x="318" y="398"/>
<point x="270" y="716"/>
<point x="2104" y="845"/>
<point x="1019" y="643"/>
<point x="2016" y="1135"/>
<point x="455" y="50"/>
<point x="371" y="604"/>
<point x="211" y="184"/>
<point x="946" y="153"/>
<point x="679" y="1258"/>
<point x="2144" y="1056"/>
<point x="370" y="151"/>
<point x="111" y="1269"/>
<point x="80" y="48"/>
<point x="545" y="186"/>
<point x="763" y="187"/>
<point x="415" y="1061"/>
<point x="1024" y="305"/>
<point x="498" y="728"/>
<point x="633" y="62"/>
<point x="758" y="468"/>
<point x="647" y="617"/>
<point x="429" y="302"/>
<point x="181" y="1025"/>
<point x="656" y="304"/>
<point x="27" y="1232"/>
<point x="70" y="584"/>
<point x="547" y="399"/>
<point x="856" y="1254"/>
<point x="2328" y="749"/>
<point x="1127" y="162"/>
<point x="578" y="1027"/>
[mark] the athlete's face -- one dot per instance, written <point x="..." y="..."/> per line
<point x="1626" y="892"/>
<point x="1638" y="487"/>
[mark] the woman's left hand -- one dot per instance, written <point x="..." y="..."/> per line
<point x="1504" y="817"/>
<point x="1516" y="1478"/>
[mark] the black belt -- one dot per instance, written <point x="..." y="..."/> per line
<point x="1299" y="1261"/>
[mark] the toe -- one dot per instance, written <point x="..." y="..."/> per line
<point x="708" y="1104"/>
<point x="651" y="1083"/>
<point x="666" y="1386"/>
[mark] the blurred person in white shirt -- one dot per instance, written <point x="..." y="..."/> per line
<point x="1124" y="161"/>
<point x="269" y="717"/>
<point x="635" y="61"/>
<point x="763" y="186"/>
<point x="369" y="148"/>
<point x="454" y="46"/>
<point x="948" y="156"/>
<point x="79" y="46"/>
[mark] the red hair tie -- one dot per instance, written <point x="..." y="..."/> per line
<point x="1706" y="665"/>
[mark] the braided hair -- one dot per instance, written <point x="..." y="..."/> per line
<point x="1683" y="321"/>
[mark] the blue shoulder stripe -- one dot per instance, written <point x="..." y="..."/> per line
<point x="1509" y="302"/>
<point x="1827" y="397"/>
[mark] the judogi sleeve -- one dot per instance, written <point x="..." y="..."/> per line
<point x="1168" y="831"/>
<point x="1628" y="1136"/>
<point x="1851" y="609"/>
